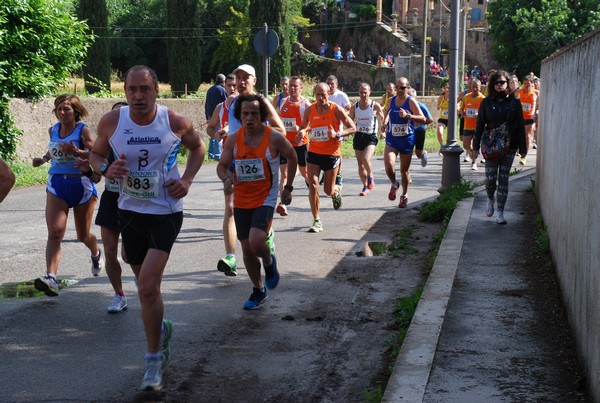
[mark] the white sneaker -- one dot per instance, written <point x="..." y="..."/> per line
<point x="152" y="374"/>
<point x="97" y="263"/>
<point x="424" y="159"/>
<point x="489" y="210"/>
<point x="467" y="159"/>
<point x="474" y="166"/>
<point x="500" y="217"/>
<point x="118" y="305"/>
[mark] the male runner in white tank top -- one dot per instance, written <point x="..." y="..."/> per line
<point x="146" y="138"/>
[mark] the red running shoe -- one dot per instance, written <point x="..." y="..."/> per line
<point x="393" y="190"/>
<point x="403" y="201"/>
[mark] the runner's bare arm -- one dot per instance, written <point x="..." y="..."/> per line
<point x="349" y="126"/>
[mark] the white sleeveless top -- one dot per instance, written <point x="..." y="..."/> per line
<point x="365" y="119"/>
<point x="151" y="154"/>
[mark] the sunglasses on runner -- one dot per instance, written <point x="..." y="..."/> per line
<point x="500" y="82"/>
<point x="402" y="87"/>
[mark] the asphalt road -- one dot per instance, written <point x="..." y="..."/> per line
<point x="68" y="348"/>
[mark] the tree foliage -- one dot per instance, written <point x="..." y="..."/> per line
<point x="284" y="17"/>
<point x="96" y="71"/>
<point x="229" y="45"/>
<point x="138" y="30"/>
<point x="184" y="50"/>
<point x="41" y="45"/>
<point x="527" y="31"/>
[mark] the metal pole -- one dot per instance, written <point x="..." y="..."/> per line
<point x="440" y="38"/>
<point x="451" y="150"/>
<point x="464" y="38"/>
<point x="424" y="47"/>
<point x="265" y="62"/>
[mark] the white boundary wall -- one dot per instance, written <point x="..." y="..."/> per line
<point x="568" y="187"/>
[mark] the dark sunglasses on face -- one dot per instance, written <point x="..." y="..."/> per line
<point x="500" y="82"/>
<point x="402" y="87"/>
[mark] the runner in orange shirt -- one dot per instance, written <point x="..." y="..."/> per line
<point x="291" y="111"/>
<point x="470" y="109"/>
<point x="528" y="98"/>
<point x="322" y="122"/>
<point x="255" y="150"/>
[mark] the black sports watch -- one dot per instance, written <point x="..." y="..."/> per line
<point x="103" y="169"/>
<point x="289" y="187"/>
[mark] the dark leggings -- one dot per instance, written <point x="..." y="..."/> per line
<point x="499" y="171"/>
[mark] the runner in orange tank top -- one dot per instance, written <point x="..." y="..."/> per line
<point x="255" y="150"/>
<point x="528" y="99"/>
<point x="322" y="122"/>
<point x="291" y="111"/>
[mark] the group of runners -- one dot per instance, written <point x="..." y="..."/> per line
<point x="264" y="144"/>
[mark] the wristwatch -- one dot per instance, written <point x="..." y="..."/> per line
<point x="104" y="168"/>
<point x="289" y="187"/>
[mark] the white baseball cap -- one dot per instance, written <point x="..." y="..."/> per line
<point x="247" y="68"/>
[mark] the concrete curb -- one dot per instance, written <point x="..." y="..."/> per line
<point x="410" y="376"/>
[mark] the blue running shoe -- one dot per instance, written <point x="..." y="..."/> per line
<point x="271" y="274"/>
<point x="257" y="297"/>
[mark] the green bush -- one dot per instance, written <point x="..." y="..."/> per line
<point x="441" y="209"/>
<point x="9" y="134"/>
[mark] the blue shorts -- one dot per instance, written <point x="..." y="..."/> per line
<point x="403" y="144"/>
<point x="75" y="190"/>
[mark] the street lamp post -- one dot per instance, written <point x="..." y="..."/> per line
<point x="451" y="150"/>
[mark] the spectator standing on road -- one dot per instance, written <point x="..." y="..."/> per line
<point x="146" y="137"/>
<point x="368" y="117"/>
<point x="255" y="150"/>
<point x="502" y="112"/>
<point x="291" y="113"/>
<point x="7" y="179"/>
<point x="68" y="188"/>
<point x="214" y="96"/>
<point x="420" y="130"/>
<point x="284" y="93"/>
<point x="322" y="120"/>
<point x="404" y="113"/>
